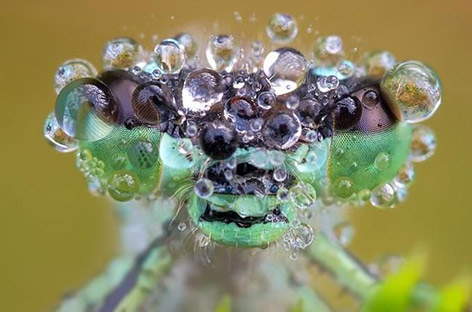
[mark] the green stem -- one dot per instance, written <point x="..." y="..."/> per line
<point x="345" y="268"/>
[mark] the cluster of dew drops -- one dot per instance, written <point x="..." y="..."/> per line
<point x="264" y="78"/>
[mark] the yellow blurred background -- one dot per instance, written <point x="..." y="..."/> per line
<point x="54" y="235"/>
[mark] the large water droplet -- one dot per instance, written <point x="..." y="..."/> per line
<point x="222" y="53"/>
<point x="282" y="130"/>
<point x="121" y="53"/>
<point x="240" y="111"/>
<point x="285" y="68"/>
<point x="72" y="70"/>
<point x="169" y="56"/>
<point x="218" y="140"/>
<point x="85" y="109"/>
<point x="412" y="90"/>
<point x="202" y="89"/>
<point x="282" y="28"/>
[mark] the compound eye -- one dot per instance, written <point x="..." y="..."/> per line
<point x="282" y="130"/>
<point x="347" y="113"/>
<point x="147" y="99"/>
<point x="218" y="140"/>
<point x="86" y="109"/>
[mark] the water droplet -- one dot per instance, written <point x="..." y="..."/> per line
<point x="405" y="176"/>
<point x="423" y="143"/>
<point x="237" y="17"/>
<point x="376" y="64"/>
<point x="370" y="99"/>
<point x="302" y="236"/>
<point x="266" y="100"/>
<point x="85" y="155"/>
<point x="191" y="128"/>
<point x="282" y="130"/>
<point x="364" y="195"/>
<point x="121" y="53"/>
<point x="283" y="194"/>
<point x="218" y="140"/>
<point x="118" y="161"/>
<point x="143" y="154"/>
<point x="240" y="111"/>
<point x="202" y="89"/>
<point x="382" y="161"/>
<point x="203" y="188"/>
<point x="311" y="136"/>
<point x="327" y="83"/>
<point x="345" y="69"/>
<point x="85" y="109"/>
<point x="222" y="53"/>
<point x="412" y="90"/>
<point x="169" y="56"/>
<point x="189" y="43"/>
<point x="72" y="70"/>
<point x="343" y="187"/>
<point x="239" y="82"/>
<point x="343" y="232"/>
<point x="57" y="137"/>
<point x="329" y="50"/>
<point x="276" y="158"/>
<point x="383" y="196"/>
<point x="123" y="185"/>
<point x="259" y="158"/>
<point x="282" y="28"/>
<point x="347" y="113"/>
<point x="256" y="124"/>
<point x="303" y="195"/>
<point x="279" y="175"/>
<point x="285" y="68"/>
<point x="292" y="102"/>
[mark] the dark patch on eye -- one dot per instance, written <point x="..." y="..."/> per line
<point x="376" y="115"/>
<point x="230" y="216"/>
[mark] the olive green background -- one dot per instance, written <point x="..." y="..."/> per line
<point x="54" y="235"/>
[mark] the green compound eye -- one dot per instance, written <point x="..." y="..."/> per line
<point x="126" y="163"/>
<point x="372" y="151"/>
